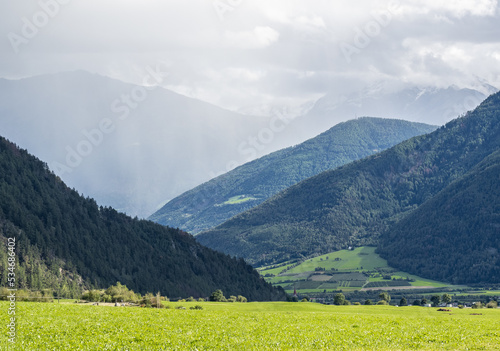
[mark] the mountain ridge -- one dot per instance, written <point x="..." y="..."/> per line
<point x="211" y="203"/>
<point x="431" y="105"/>
<point x="356" y="203"/>
<point x="138" y="164"/>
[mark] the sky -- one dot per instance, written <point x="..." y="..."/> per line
<point x="248" y="55"/>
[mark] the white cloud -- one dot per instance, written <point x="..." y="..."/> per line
<point x="245" y="74"/>
<point x="457" y="9"/>
<point x="315" y="21"/>
<point x="258" y="38"/>
<point x="263" y="50"/>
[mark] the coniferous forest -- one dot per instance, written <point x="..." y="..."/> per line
<point x="443" y="184"/>
<point x="66" y="242"/>
<point x="245" y="187"/>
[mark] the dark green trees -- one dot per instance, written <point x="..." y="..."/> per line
<point x="384" y="296"/>
<point x="62" y="236"/>
<point x="212" y="203"/>
<point x="339" y="299"/>
<point x="446" y="298"/>
<point x="217" y="296"/>
<point x="435" y="299"/>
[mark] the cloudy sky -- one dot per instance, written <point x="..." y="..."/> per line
<point x="244" y="53"/>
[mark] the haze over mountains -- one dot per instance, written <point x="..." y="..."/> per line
<point x="134" y="148"/>
<point x="360" y="203"/>
<point x="154" y="144"/>
<point x="214" y="202"/>
<point x="419" y="104"/>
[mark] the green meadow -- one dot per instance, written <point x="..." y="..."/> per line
<point x="239" y="199"/>
<point x="346" y="270"/>
<point x="250" y="326"/>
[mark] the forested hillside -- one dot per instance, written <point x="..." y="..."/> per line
<point x="455" y="236"/>
<point x="245" y="187"/>
<point x="59" y="231"/>
<point x="355" y="204"/>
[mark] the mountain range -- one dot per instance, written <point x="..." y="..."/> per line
<point x="247" y="186"/>
<point x="135" y="147"/>
<point x="392" y="199"/>
<point x="430" y="105"/>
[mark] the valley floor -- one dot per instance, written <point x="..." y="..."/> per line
<point x="356" y="270"/>
<point x="250" y="326"/>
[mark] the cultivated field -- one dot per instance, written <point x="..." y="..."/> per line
<point x="250" y="326"/>
<point x="346" y="270"/>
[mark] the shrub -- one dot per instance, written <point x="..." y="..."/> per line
<point x="385" y="297"/>
<point x="120" y="293"/>
<point x="492" y="304"/>
<point x="477" y="305"/>
<point x="339" y="299"/>
<point x="218" y="296"/>
<point x="92" y="296"/>
<point x="4" y="292"/>
<point x="196" y="307"/>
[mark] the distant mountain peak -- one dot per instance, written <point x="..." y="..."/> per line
<point x="426" y="104"/>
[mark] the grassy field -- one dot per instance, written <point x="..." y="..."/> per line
<point x="239" y="199"/>
<point x="361" y="258"/>
<point x="251" y="326"/>
<point x="346" y="270"/>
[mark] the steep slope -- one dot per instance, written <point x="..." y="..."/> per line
<point x="355" y="204"/>
<point x="245" y="187"/>
<point x="455" y="236"/>
<point x="128" y="147"/>
<point x="104" y="246"/>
